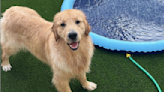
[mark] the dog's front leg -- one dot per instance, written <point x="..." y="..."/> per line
<point x="61" y="84"/>
<point x="86" y="84"/>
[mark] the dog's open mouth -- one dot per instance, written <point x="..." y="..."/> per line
<point x="74" y="45"/>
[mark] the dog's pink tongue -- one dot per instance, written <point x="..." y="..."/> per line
<point x="74" y="44"/>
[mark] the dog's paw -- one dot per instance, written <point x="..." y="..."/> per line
<point x="6" y="68"/>
<point x="90" y="86"/>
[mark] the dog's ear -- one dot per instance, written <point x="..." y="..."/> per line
<point x="87" y="27"/>
<point x="54" y="30"/>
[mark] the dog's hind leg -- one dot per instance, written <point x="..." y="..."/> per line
<point x="8" y="47"/>
<point x="7" y="52"/>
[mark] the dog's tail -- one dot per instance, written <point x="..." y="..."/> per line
<point x="2" y="35"/>
<point x="0" y="27"/>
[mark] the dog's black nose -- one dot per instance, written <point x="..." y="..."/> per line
<point x="72" y="35"/>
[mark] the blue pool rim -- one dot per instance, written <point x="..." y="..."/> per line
<point x="119" y="45"/>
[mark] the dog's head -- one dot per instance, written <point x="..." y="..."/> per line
<point x="71" y="25"/>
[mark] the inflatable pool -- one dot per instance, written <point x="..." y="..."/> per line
<point x="124" y="25"/>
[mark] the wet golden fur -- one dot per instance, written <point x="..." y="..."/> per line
<point x="24" y="28"/>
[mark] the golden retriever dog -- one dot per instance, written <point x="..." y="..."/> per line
<point x="64" y="44"/>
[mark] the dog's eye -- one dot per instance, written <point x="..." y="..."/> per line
<point x="63" y="24"/>
<point x="77" y="22"/>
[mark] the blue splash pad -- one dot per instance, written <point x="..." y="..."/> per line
<point x="128" y="25"/>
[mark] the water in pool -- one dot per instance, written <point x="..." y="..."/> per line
<point x="129" y="20"/>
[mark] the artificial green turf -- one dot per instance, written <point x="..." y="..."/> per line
<point x="112" y="71"/>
